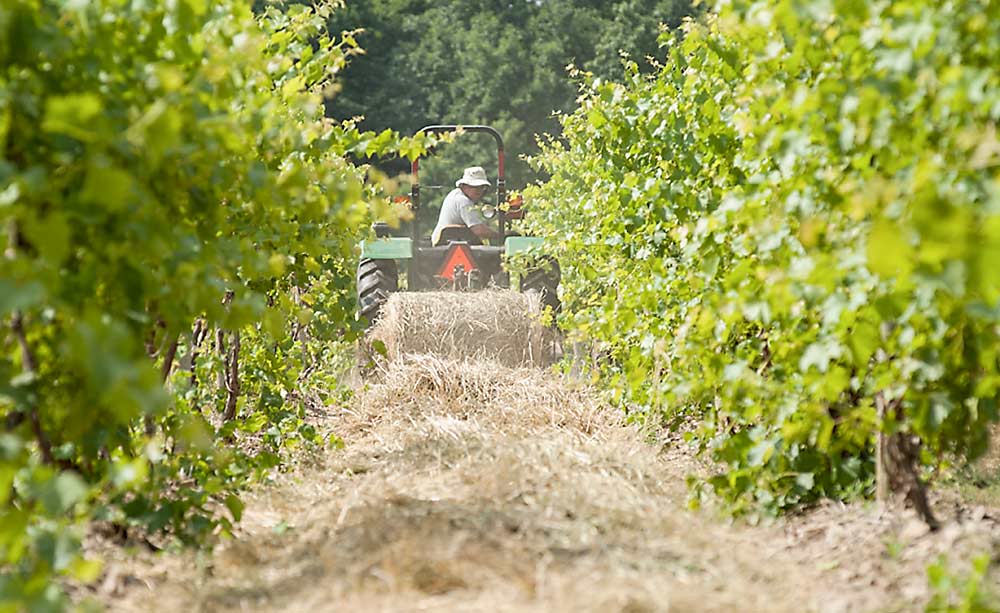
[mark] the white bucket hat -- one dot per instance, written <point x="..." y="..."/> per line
<point x="474" y="176"/>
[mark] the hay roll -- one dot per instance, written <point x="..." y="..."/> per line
<point x="500" y="325"/>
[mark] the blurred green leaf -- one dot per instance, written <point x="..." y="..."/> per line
<point x="889" y="253"/>
<point x="17" y="296"/>
<point x="72" y="115"/>
<point x="59" y="494"/>
<point x="235" y="506"/>
<point x="51" y="236"/>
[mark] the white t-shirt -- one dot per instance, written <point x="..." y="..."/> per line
<point x="457" y="210"/>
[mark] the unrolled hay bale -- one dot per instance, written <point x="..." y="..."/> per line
<point x="508" y="399"/>
<point x="499" y="325"/>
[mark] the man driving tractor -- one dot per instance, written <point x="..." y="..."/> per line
<point x="459" y="219"/>
<point x="466" y="264"/>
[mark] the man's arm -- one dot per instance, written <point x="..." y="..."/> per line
<point x="483" y="231"/>
<point x="475" y="222"/>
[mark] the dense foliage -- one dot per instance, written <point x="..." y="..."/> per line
<point x="500" y="63"/>
<point x="795" y="222"/>
<point x="177" y="215"/>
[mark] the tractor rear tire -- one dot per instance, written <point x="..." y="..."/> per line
<point x="376" y="279"/>
<point x="544" y="279"/>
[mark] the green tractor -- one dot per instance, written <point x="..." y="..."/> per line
<point x="457" y="265"/>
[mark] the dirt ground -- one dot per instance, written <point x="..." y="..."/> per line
<point x="474" y="486"/>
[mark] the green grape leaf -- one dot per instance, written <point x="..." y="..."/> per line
<point x="72" y="115"/>
<point x="889" y="253"/>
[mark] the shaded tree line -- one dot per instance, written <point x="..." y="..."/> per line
<point x="498" y="62"/>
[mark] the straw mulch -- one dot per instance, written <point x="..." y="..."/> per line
<point x="475" y="484"/>
<point x="509" y="399"/>
<point x="499" y="325"/>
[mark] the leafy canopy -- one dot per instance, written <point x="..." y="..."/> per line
<point x="798" y="215"/>
<point x="161" y="164"/>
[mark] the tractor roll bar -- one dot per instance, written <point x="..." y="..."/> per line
<point x="415" y="171"/>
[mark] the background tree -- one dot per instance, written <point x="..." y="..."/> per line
<point x="502" y="63"/>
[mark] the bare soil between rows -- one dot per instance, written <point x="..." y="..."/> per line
<point x="474" y="486"/>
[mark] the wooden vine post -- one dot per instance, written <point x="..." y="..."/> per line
<point x="232" y="377"/>
<point x="229" y="376"/>
<point x="897" y="463"/>
<point x="30" y="366"/>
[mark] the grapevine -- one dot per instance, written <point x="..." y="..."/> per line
<point x="178" y="220"/>
<point x="788" y="236"/>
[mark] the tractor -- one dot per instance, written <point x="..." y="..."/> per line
<point x="457" y="265"/>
